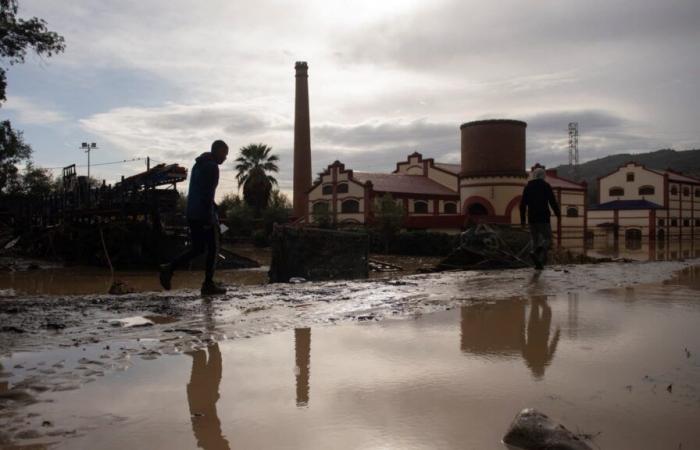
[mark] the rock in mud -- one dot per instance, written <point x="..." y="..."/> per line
<point x="533" y="430"/>
<point x="17" y="395"/>
<point x="120" y="288"/>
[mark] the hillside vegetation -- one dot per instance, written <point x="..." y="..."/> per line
<point x="686" y="161"/>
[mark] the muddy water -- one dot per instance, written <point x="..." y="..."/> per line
<point x="622" y="365"/>
<point x="90" y="280"/>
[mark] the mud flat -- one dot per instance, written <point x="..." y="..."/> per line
<point x="426" y="361"/>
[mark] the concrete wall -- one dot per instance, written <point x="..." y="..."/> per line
<point x="499" y="193"/>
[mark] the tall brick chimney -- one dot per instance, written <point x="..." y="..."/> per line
<point x="302" y="142"/>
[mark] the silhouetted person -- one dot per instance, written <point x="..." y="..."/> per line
<point x="537" y="198"/>
<point x="202" y="218"/>
<point x="202" y="395"/>
<point x="302" y="350"/>
<point x="537" y="350"/>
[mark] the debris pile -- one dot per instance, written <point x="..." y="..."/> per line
<point x="484" y="247"/>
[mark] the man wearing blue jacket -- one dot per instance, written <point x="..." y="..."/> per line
<point x="537" y="198"/>
<point x="202" y="218"/>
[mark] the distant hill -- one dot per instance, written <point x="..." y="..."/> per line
<point x="686" y="161"/>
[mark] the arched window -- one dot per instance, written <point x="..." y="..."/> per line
<point x="616" y="191"/>
<point x="319" y="208"/>
<point x="477" y="209"/>
<point x="342" y="188"/>
<point x="686" y="191"/>
<point x="674" y="222"/>
<point x="420" y="207"/>
<point x="646" y="190"/>
<point x="662" y="222"/>
<point x="327" y="189"/>
<point x="686" y="222"/>
<point x="660" y="235"/>
<point x="633" y="234"/>
<point x="450" y="208"/>
<point x="674" y="189"/>
<point x="350" y="207"/>
<point x="571" y="212"/>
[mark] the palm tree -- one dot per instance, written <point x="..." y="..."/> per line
<point x="253" y="168"/>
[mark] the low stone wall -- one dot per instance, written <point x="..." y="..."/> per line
<point x="315" y="254"/>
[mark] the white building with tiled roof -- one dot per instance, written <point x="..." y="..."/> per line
<point x="433" y="198"/>
<point x="638" y="202"/>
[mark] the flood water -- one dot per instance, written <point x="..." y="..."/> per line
<point x="622" y="365"/>
<point x="91" y="280"/>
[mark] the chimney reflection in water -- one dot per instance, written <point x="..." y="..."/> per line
<point x="302" y="349"/>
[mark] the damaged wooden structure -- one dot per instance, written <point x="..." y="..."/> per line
<point x="135" y="221"/>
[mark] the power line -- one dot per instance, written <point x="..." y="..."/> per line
<point x="99" y="164"/>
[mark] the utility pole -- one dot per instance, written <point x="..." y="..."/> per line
<point x="573" y="149"/>
<point x="88" y="148"/>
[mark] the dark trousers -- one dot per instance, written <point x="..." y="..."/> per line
<point x="203" y="237"/>
<point x="541" y="236"/>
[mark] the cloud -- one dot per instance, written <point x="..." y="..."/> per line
<point x="468" y="33"/>
<point x="414" y="133"/>
<point x="387" y="78"/>
<point x="33" y="113"/>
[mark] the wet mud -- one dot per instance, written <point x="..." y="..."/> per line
<point x="513" y="328"/>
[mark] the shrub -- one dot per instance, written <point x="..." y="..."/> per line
<point x="261" y="239"/>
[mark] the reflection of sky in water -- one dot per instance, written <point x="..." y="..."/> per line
<point x="453" y="379"/>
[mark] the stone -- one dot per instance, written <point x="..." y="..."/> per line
<point x="534" y="430"/>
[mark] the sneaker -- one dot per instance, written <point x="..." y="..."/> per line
<point x="212" y="288"/>
<point x="166" y="276"/>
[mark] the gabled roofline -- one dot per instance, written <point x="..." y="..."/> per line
<point x="627" y="164"/>
<point x="430" y="161"/>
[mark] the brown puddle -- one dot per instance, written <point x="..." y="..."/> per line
<point x="622" y="365"/>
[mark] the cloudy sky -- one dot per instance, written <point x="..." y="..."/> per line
<point x="163" y="78"/>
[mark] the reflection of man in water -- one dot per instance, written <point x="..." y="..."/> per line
<point x="202" y="395"/>
<point x="537" y="350"/>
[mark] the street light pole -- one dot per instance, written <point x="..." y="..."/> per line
<point x="88" y="148"/>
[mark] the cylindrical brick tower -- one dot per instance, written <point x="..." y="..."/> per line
<point x="493" y="148"/>
<point x="302" y="142"/>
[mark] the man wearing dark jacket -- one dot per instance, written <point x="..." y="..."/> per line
<point x="202" y="218"/>
<point x="537" y="198"/>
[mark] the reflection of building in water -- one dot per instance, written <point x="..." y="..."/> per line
<point x="493" y="329"/>
<point x="202" y="395"/>
<point x="636" y="202"/>
<point x="501" y="329"/>
<point x="649" y="250"/>
<point x="302" y="350"/>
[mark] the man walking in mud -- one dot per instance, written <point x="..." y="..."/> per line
<point x="202" y="218"/>
<point x="537" y="198"/>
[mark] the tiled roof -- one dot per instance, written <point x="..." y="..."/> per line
<point x="453" y="168"/>
<point x="557" y="182"/>
<point x="627" y="204"/>
<point x="403" y="184"/>
<point x="673" y="176"/>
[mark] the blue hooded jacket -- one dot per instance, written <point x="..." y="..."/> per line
<point x="204" y="178"/>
